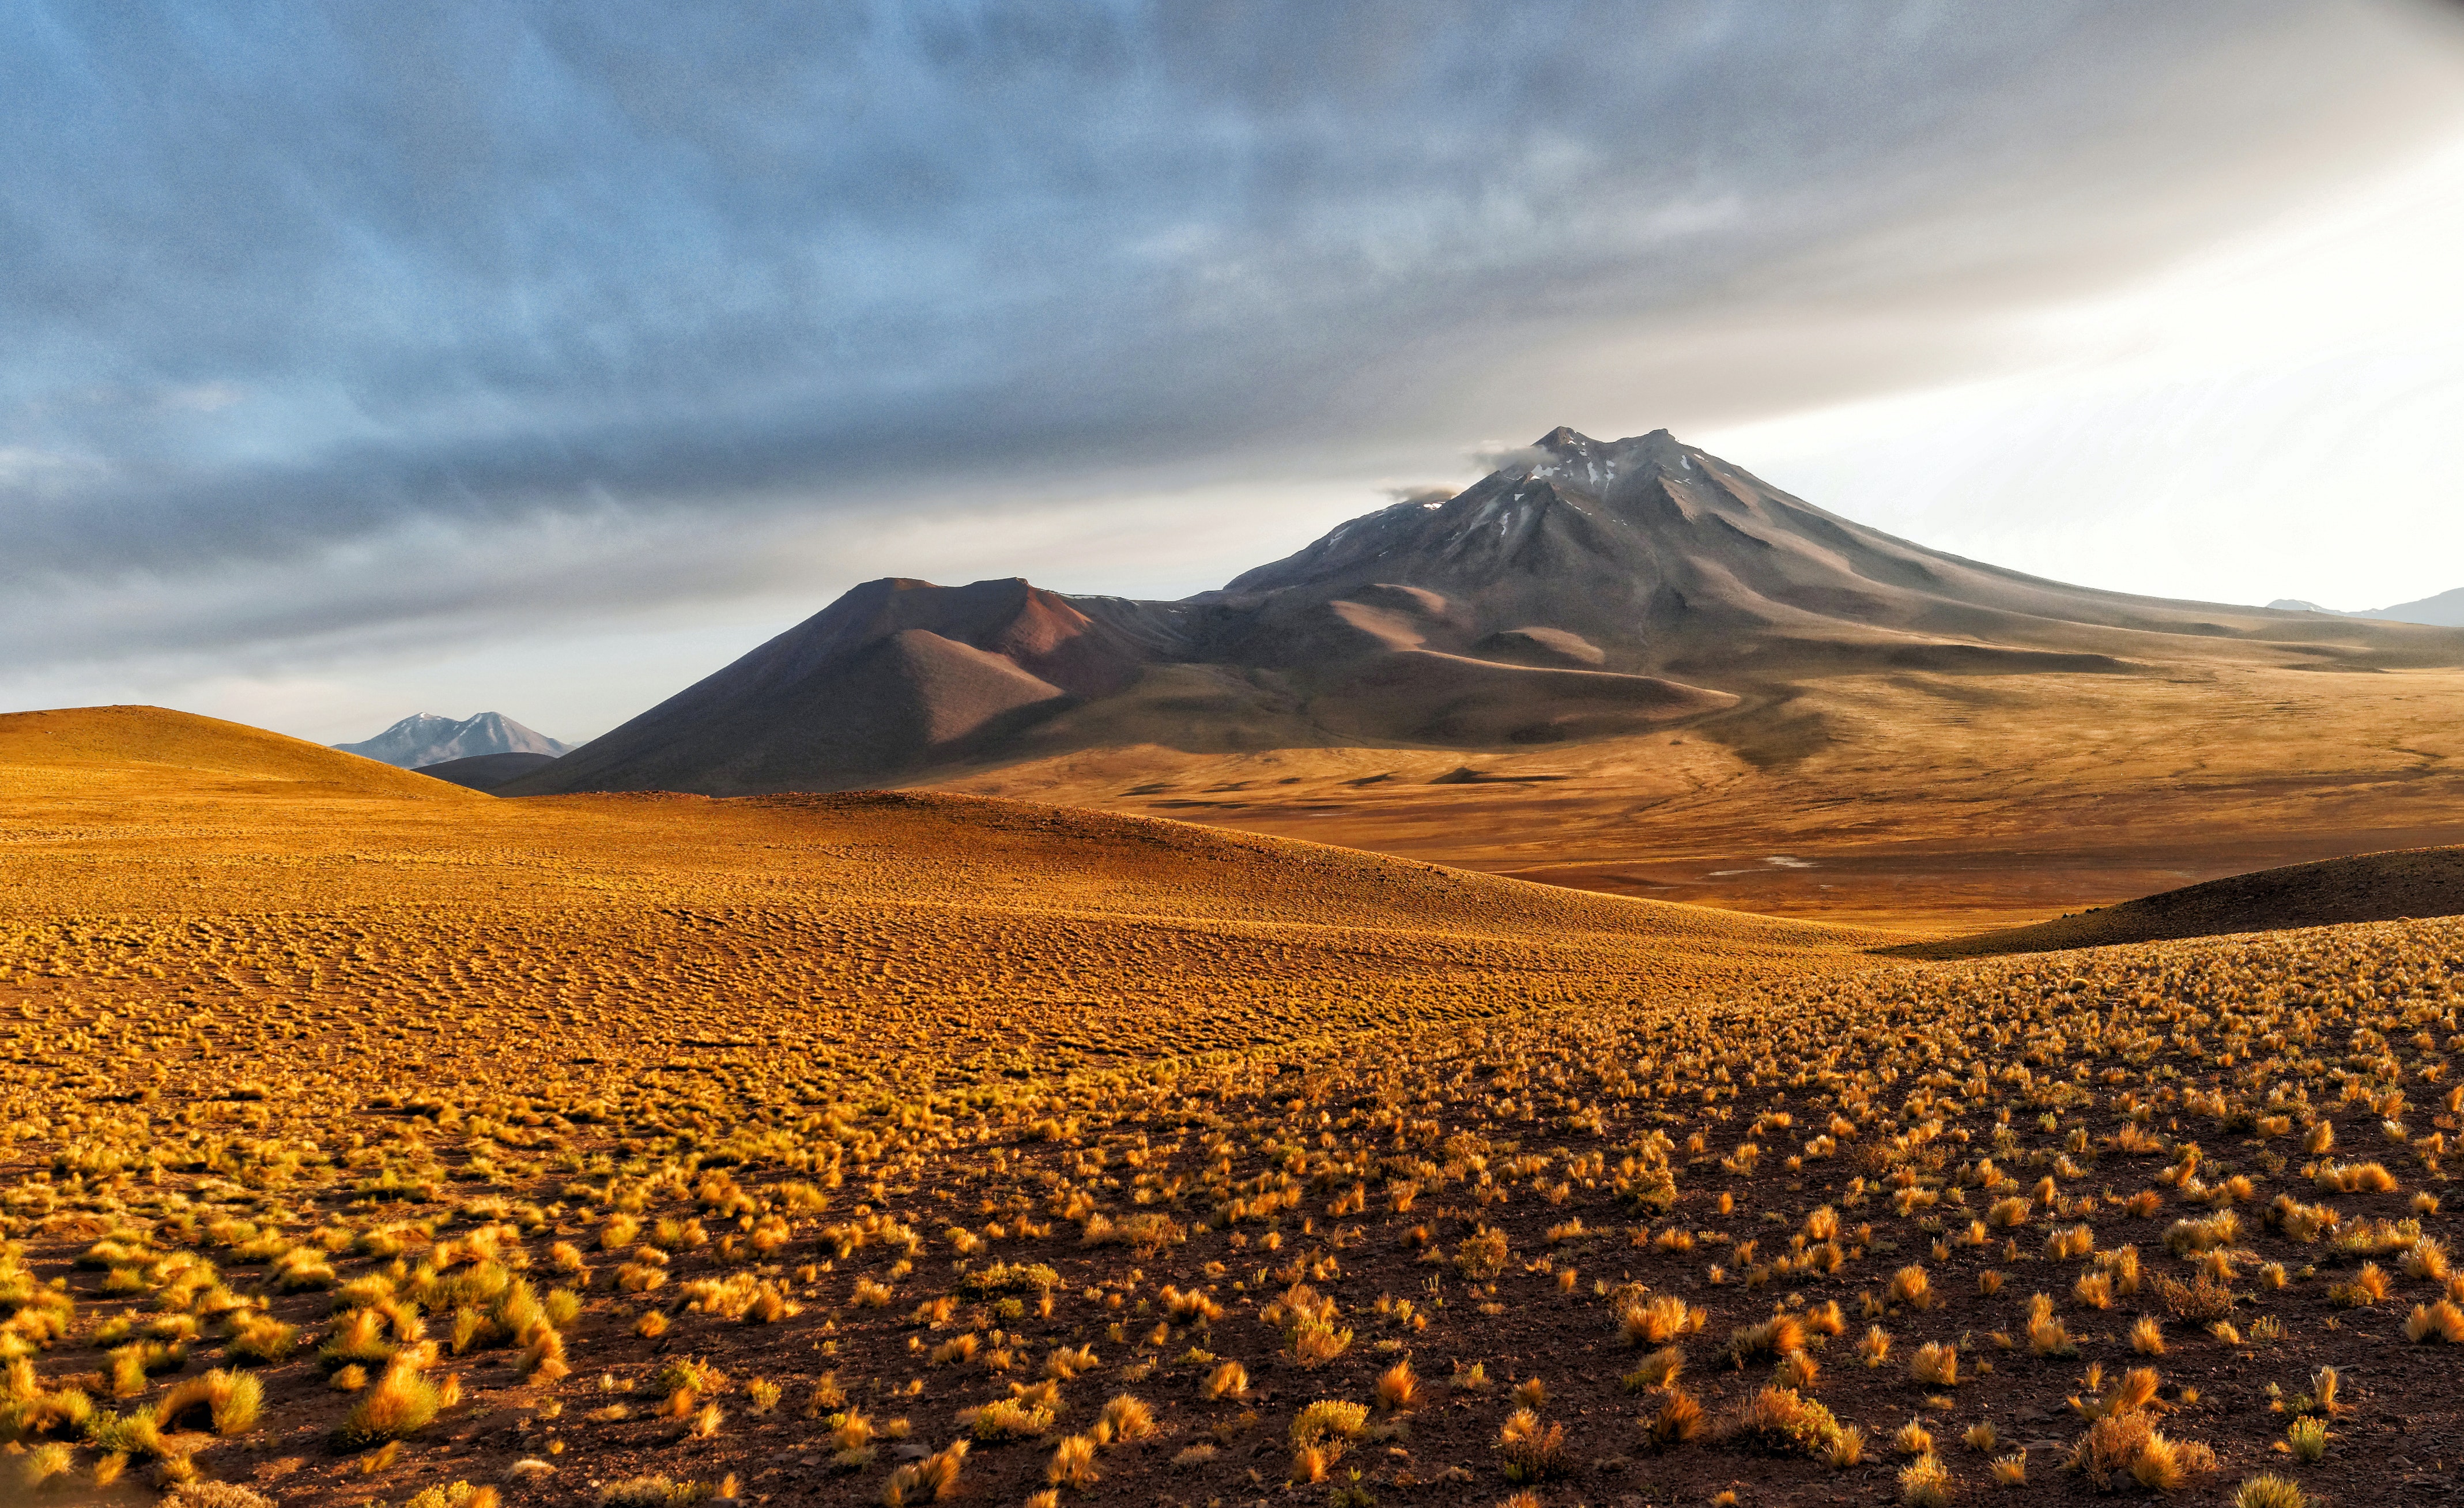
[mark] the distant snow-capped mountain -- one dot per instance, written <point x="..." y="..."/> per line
<point x="426" y="738"/>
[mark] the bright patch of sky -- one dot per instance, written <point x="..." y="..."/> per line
<point x="2276" y="415"/>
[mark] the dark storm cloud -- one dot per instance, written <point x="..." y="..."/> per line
<point x="287" y="278"/>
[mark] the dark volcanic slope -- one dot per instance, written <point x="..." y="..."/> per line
<point x="2367" y="887"/>
<point x="1596" y="589"/>
<point x="893" y="676"/>
<point x="486" y="771"/>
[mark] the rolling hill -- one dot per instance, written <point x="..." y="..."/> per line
<point x="1006" y="907"/>
<point x="140" y="754"/>
<point x="2365" y="887"/>
<point x="198" y="788"/>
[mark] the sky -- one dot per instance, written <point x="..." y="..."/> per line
<point x="362" y="360"/>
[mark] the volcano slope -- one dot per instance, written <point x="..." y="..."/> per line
<point x="372" y="1139"/>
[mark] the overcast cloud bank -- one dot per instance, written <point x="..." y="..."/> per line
<point x="343" y="344"/>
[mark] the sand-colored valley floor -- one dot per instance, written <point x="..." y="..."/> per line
<point x="372" y="1141"/>
<point x="1935" y="802"/>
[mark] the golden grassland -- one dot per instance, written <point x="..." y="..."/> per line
<point x="367" y="1139"/>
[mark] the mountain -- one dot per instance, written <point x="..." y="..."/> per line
<point x="1590" y="590"/>
<point x="2445" y="610"/>
<point x="426" y="739"/>
<point x="485" y="771"/>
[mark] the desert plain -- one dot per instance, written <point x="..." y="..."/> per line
<point x="372" y="1139"/>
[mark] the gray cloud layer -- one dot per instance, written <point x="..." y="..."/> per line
<point x="333" y="302"/>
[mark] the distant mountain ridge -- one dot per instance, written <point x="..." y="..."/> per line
<point x="2445" y="610"/>
<point x="426" y="739"/>
<point x="1590" y="590"/>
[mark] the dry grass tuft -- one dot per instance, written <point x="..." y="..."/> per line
<point x="231" y="1400"/>
<point x="1874" y="1346"/>
<point x="1399" y="1386"/>
<point x="1911" y="1286"/>
<point x="1228" y="1380"/>
<point x="1678" y="1419"/>
<point x="1780" y="1421"/>
<point x="1925" y="1483"/>
<point x="1935" y="1364"/>
<point x="2441" y="1321"/>
<point x="1659" y="1321"/>
<point x="1531" y="1450"/>
<point x="2267" y="1489"/>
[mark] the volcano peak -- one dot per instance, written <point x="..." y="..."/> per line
<point x="1566" y="443"/>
